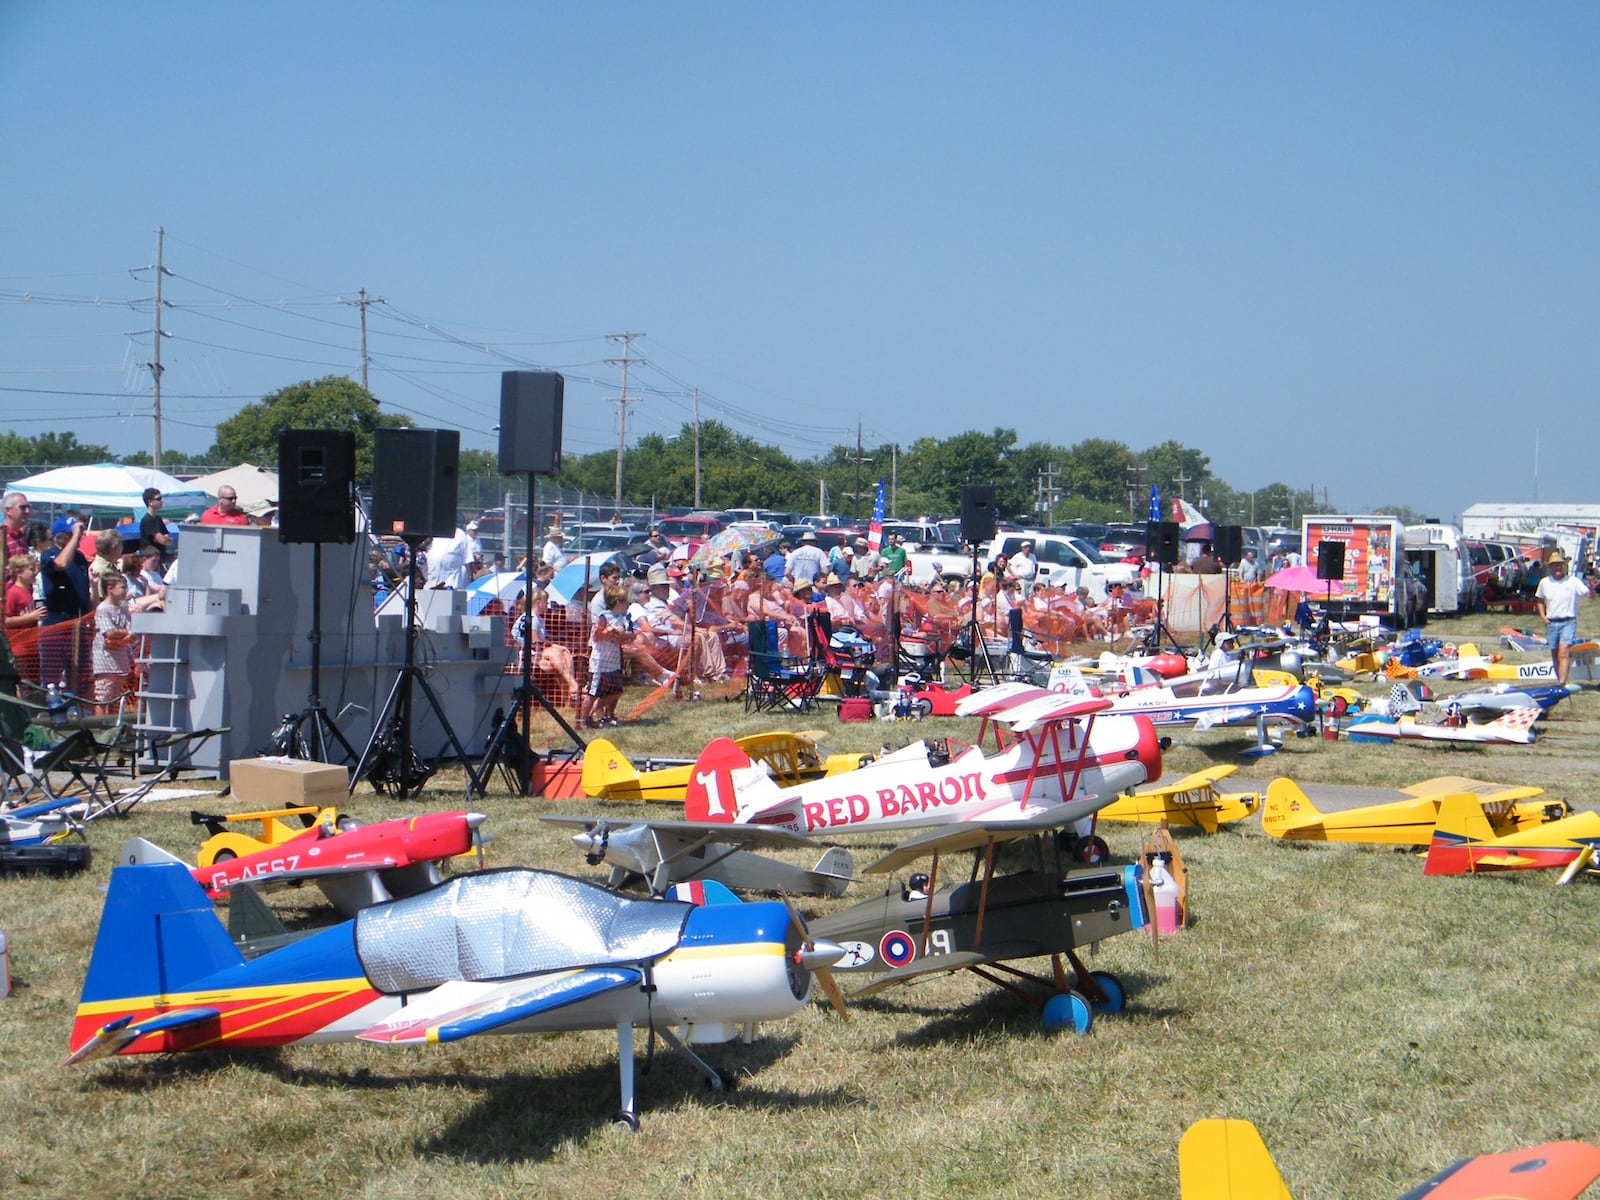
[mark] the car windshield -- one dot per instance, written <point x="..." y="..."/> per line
<point x="1090" y="552"/>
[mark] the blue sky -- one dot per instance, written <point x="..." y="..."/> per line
<point x="1350" y="247"/>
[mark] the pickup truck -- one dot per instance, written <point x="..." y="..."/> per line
<point x="1065" y="562"/>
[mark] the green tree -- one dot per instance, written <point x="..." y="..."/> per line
<point x="50" y="450"/>
<point x="1097" y="475"/>
<point x="1169" y="462"/>
<point x="333" y="402"/>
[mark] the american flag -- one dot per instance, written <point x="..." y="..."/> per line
<point x="875" y="530"/>
<point x="1155" y="503"/>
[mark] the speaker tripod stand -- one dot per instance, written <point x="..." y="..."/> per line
<point x="388" y="757"/>
<point x="311" y="729"/>
<point x="980" y="644"/>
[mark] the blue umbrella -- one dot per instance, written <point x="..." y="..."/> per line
<point x="578" y="574"/>
<point x="503" y="586"/>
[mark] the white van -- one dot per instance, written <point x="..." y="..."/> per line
<point x="1437" y="557"/>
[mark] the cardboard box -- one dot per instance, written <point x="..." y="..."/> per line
<point x="268" y="783"/>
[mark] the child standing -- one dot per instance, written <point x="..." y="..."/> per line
<point x="599" y="704"/>
<point x="112" y="651"/>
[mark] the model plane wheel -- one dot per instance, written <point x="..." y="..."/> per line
<point x="1068" y="1010"/>
<point x="626" y="1120"/>
<point x="221" y="856"/>
<point x="922" y="707"/>
<point x="1116" y="996"/>
<point x="1092" y="851"/>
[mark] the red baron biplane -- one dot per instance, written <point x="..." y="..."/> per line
<point x="1227" y="1160"/>
<point x="506" y="951"/>
<point x="355" y="865"/>
<point x="1060" y="762"/>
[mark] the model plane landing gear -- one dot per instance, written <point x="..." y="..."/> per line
<point x="1113" y="996"/>
<point x="1068" y="1010"/>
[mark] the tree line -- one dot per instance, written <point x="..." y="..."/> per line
<point x="1093" y="480"/>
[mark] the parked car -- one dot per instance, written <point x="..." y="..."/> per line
<point x="1124" y="541"/>
<point x="689" y="529"/>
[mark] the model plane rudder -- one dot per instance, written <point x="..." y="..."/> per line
<point x="711" y="795"/>
<point x="1227" y="1160"/>
<point x="1286" y="808"/>
<point x="604" y="767"/>
<point x="158" y="933"/>
<point x="1460" y="826"/>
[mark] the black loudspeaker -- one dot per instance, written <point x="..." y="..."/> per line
<point x="977" y="512"/>
<point x="316" y="485"/>
<point x="1330" y="560"/>
<point x="1161" y="542"/>
<point x="1229" y="544"/>
<point x="530" y="422"/>
<point x="414" y="481"/>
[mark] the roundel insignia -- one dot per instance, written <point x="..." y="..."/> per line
<point x="897" y="948"/>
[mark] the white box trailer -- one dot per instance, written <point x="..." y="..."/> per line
<point x="1374" y="576"/>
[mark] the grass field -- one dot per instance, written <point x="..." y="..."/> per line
<point x="1375" y="1025"/>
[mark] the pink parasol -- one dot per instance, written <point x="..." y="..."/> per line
<point x="1297" y="579"/>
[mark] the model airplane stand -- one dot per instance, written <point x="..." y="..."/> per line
<point x="389" y="759"/>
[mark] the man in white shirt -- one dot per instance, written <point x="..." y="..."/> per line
<point x="807" y="561"/>
<point x="1249" y="569"/>
<point x="1024" y="568"/>
<point x="1557" y="601"/>
<point x="447" y="562"/>
<point x="474" y="550"/>
<point x="553" y="555"/>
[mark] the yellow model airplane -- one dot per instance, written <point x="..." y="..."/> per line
<point x="1409" y="821"/>
<point x="1227" y="1160"/>
<point x="1192" y="800"/>
<point x="793" y="758"/>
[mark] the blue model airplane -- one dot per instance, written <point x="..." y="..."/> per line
<point x="510" y="951"/>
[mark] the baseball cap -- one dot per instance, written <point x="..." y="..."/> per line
<point x="62" y="525"/>
<point x="472" y="524"/>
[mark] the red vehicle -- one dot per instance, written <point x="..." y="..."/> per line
<point x="691" y="529"/>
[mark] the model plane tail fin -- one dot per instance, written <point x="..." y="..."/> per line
<point x="838" y="868"/>
<point x="1286" y="807"/>
<point x="604" y="767"/>
<point x="1519" y="719"/>
<point x="1227" y="1160"/>
<point x="138" y="851"/>
<point x="1461" y="823"/>
<point x="158" y="934"/>
<point x="725" y="787"/>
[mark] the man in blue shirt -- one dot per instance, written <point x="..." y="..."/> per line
<point x="777" y="563"/>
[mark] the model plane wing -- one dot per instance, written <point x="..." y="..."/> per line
<point x="691" y="834"/>
<point x="934" y="965"/>
<point x="114" y="1035"/>
<point x="947" y="839"/>
<point x="460" y="1009"/>
<point x="1227" y="1160"/>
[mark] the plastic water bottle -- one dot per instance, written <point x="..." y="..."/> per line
<point x="1166" y="891"/>
<point x="56" y="703"/>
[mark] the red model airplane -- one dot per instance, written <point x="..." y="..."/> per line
<point x="356" y="866"/>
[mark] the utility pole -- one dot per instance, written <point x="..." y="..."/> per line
<point x="1180" y="479"/>
<point x="894" y="480"/>
<point x="1045" y="492"/>
<point x="622" y="403"/>
<point x="362" y="303"/>
<point x="1134" y="471"/>
<point x="860" y="458"/>
<point x="697" y="447"/>
<point x="155" y="362"/>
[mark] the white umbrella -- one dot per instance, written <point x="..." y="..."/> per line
<point x="257" y="487"/>
<point x="504" y="586"/>
<point x="106" y="485"/>
<point x="581" y="572"/>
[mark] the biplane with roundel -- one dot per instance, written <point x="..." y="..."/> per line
<point x="1055" y="756"/>
<point x="1410" y="818"/>
<point x="1464" y="843"/>
<point x="504" y="951"/>
<point x="1047" y="907"/>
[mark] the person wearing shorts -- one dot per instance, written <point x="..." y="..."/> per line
<point x="610" y="630"/>
<point x="1557" y="600"/>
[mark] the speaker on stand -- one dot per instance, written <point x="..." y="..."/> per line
<point x="1330" y="567"/>
<point x="316" y="504"/>
<point x="414" y="486"/>
<point x="531" y="407"/>
<point x="1163" y="545"/>
<point x="977" y="526"/>
<point x="1229" y="547"/>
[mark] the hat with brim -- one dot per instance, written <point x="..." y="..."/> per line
<point x="657" y="574"/>
<point x="808" y="536"/>
<point x="1554" y="557"/>
<point x="832" y="581"/>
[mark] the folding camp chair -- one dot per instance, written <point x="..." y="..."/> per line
<point x="776" y="681"/>
<point x="845" y="657"/>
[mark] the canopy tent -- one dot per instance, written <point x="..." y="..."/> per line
<point x="106" y="485"/>
<point x="257" y="487"/>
